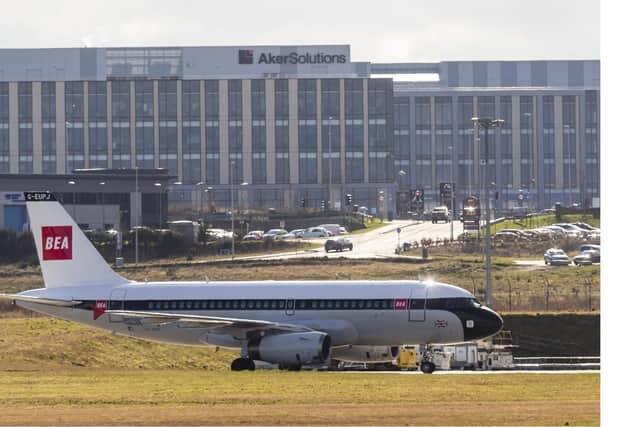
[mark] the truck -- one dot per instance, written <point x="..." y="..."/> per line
<point x="439" y="213"/>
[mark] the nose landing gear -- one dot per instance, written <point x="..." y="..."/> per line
<point x="243" y="364"/>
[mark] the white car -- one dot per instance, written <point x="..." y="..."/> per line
<point x="275" y="234"/>
<point x="253" y="235"/>
<point x="315" y="232"/>
<point x="333" y="229"/>
<point x="556" y="256"/>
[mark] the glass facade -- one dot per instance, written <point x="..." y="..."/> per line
<point x="351" y="132"/>
<point x="144" y="124"/>
<point x="191" y="170"/>
<point x="97" y="124"/>
<point x="121" y="124"/>
<point x="74" y="125"/>
<point x="48" y="102"/>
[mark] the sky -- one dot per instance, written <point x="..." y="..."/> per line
<point x="378" y="31"/>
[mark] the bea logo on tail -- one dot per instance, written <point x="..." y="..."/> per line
<point x="57" y="243"/>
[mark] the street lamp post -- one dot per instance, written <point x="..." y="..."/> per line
<point x="487" y="124"/>
<point x="233" y="245"/>
<point x="138" y="202"/>
<point x="330" y="163"/>
<point x="401" y="173"/>
<point x="452" y="192"/>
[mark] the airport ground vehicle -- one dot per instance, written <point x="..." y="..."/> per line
<point x="338" y="244"/>
<point x="439" y="213"/>
<point x="556" y="256"/>
<point x="288" y="323"/>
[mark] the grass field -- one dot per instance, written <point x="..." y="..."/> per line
<point x="151" y="397"/>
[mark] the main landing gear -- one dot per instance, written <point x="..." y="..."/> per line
<point x="243" y="364"/>
<point x="427" y="367"/>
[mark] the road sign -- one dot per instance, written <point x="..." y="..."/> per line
<point x="398" y="230"/>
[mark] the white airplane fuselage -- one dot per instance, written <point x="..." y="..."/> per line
<point x="351" y="312"/>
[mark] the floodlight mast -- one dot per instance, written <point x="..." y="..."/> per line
<point x="486" y="124"/>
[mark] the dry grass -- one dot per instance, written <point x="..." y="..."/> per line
<point x="91" y="397"/>
<point x="529" y="289"/>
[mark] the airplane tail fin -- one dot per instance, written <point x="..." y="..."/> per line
<point x="67" y="257"/>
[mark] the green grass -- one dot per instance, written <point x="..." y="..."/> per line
<point x="370" y="226"/>
<point x="151" y="397"/>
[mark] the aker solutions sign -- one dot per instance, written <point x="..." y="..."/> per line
<point x="247" y="57"/>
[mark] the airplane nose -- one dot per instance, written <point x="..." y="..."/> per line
<point x="483" y="323"/>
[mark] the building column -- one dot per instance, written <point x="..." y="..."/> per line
<point x="156" y="125"/>
<point x="179" y="128"/>
<point x="85" y="122"/>
<point x="516" y="141"/>
<point x="433" y="145"/>
<point x="109" y="127"/>
<point x="36" y="97"/>
<point x="294" y="156"/>
<point x="319" y="130"/>
<point x="223" y="123"/>
<point x="14" y="156"/>
<point x="203" y="134"/>
<point x="132" y="123"/>
<point x="270" y="99"/>
<point x="343" y="139"/>
<point x="558" y="133"/>
<point x="247" y="142"/>
<point x="61" y="130"/>
<point x="476" y="149"/>
<point x="365" y="129"/>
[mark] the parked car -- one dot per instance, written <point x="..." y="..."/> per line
<point x="586" y="227"/>
<point x="439" y="213"/>
<point x="594" y="251"/>
<point x="315" y="232"/>
<point x="586" y="257"/>
<point x="572" y="230"/>
<point x="343" y="230"/>
<point x="507" y="235"/>
<point x="275" y="234"/>
<point x="556" y="256"/>
<point x="254" y="235"/>
<point x="333" y="229"/>
<point x="338" y="244"/>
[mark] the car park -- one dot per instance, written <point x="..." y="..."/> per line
<point x="338" y="244"/>
<point x="555" y="256"/>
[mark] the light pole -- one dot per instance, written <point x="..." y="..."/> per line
<point x="567" y="135"/>
<point x="401" y="173"/>
<point x="330" y="162"/>
<point x="157" y="184"/>
<point x="73" y="193"/>
<point x="137" y="213"/>
<point x="487" y="124"/>
<point x="232" y="172"/>
<point x="67" y="126"/>
<point x="452" y="192"/>
<point x="102" y="183"/>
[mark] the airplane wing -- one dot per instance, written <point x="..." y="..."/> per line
<point x="224" y="325"/>
<point x="37" y="300"/>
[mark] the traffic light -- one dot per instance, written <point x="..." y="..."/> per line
<point x="323" y="204"/>
<point x="303" y="202"/>
<point x="348" y="199"/>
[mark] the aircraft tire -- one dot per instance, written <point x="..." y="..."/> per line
<point x="243" y="364"/>
<point x="427" y="367"/>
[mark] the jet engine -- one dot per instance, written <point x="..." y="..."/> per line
<point x="366" y="353"/>
<point x="291" y="349"/>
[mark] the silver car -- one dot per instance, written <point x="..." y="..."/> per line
<point x="556" y="256"/>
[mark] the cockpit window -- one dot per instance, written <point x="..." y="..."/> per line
<point x="452" y="303"/>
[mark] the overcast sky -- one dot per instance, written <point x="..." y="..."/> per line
<point x="380" y="31"/>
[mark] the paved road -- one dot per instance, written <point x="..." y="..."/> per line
<point x="379" y="243"/>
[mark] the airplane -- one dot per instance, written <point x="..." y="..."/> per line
<point x="287" y="323"/>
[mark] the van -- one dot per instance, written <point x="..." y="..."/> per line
<point x="439" y="213"/>
<point x="334" y="229"/>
